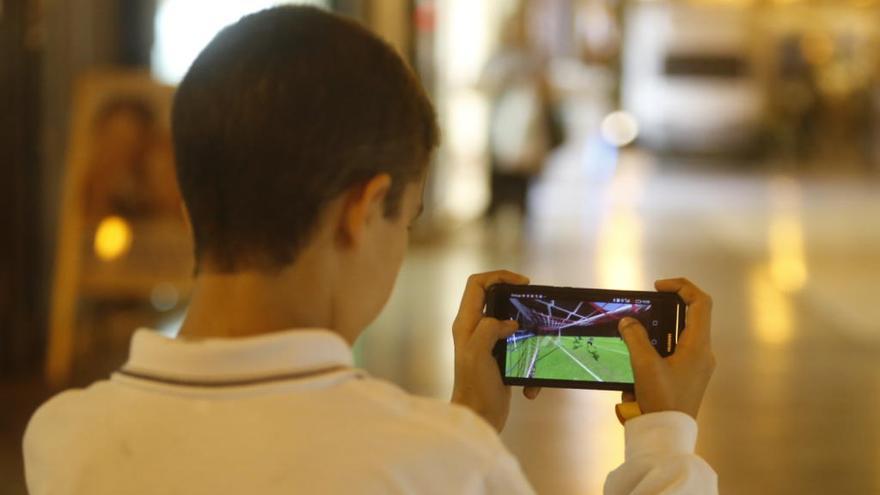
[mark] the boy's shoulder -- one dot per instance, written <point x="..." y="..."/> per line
<point x="66" y="423"/>
<point x="53" y="417"/>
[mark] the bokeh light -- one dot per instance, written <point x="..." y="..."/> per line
<point x="112" y="238"/>
<point x="619" y="128"/>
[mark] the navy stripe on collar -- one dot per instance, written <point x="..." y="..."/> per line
<point x="232" y="383"/>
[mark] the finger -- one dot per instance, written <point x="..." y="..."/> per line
<point x="474" y="298"/>
<point x="627" y="397"/>
<point x="489" y="331"/>
<point x="531" y="392"/>
<point x="636" y="338"/>
<point x="689" y="292"/>
<point x="699" y="310"/>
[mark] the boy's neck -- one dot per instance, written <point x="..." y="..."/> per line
<point x="248" y="303"/>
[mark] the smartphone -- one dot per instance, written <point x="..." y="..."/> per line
<point x="568" y="337"/>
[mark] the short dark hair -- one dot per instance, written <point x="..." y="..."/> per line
<point x="281" y="113"/>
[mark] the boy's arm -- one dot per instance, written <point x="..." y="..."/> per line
<point x="660" y="454"/>
<point x="660" y="458"/>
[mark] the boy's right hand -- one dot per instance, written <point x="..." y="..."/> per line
<point x="677" y="382"/>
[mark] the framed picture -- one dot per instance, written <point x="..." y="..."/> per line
<point x="122" y="240"/>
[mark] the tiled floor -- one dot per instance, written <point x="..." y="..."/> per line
<point x="793" y="262"/>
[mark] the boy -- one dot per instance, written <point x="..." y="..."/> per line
<point x="302" y="143"/>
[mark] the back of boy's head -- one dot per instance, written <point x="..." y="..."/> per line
<point x="281" y="113"/>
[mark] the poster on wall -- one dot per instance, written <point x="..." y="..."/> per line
<point x="124" y="253"/>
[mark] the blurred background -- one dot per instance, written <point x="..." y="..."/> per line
<point x="592" y="143"/>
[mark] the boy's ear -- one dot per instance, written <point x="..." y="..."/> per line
<point x="364" y="204"/>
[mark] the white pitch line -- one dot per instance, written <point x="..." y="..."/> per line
<point x="531" y="367"/>
<point x="578" y="362"/>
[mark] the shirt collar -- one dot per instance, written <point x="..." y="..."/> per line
<point x="216" y="359"/>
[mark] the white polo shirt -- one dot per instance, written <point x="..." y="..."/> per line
<point x="287" y="413"/>
<point x="279" y="413"/>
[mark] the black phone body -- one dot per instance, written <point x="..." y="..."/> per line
<point x="568" y="337"/>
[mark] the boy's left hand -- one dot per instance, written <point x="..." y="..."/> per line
<point x="478" y="382"/>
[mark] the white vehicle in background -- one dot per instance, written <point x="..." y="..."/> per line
<point x="690" y="77"/>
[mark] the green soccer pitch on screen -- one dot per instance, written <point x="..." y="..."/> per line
<point x="568" y="337"/>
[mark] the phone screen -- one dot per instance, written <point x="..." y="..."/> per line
<point x="569" y="337"/>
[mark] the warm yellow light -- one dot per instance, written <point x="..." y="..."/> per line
<point x="788" y="267"/>
<point x="619" y="250"/>
<point x="770" y="308"/>
<point x="112" y="238"/>
<point x="785" y="237"/>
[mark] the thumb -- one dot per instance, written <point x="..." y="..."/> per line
<point x="489" y="331"/>
<point x="636" y="338"/>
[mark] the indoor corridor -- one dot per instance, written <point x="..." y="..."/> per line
<point x="735" y="143"/>
<point x="791" y="260"/>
